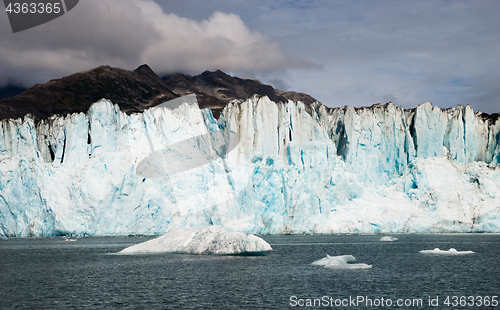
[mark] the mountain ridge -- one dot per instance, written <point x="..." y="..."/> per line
<point x="134" y="91"/>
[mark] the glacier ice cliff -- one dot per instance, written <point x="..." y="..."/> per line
<point x="296" y="169"/>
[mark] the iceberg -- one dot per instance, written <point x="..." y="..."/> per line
<point x="349" y="266"/>
<point x="261" y="168"/>
<point x="213" y="240"/>
<point x="451" y="251"/>
<point x="340" y="263"/>
<point x="334" y="260"/>
<point x="388" y="238"/>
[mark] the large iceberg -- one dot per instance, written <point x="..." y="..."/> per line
<point x="212" y="240"/>
<point x="295" y="168"/>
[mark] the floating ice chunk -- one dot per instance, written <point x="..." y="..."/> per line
<point x="451" y="251"/>
<point x="388" y="238"/>
<point x="340" y="262"/>
<point x="206" y="240"/>
<point x="331" y="260"/>
<point x="349" y="266"/>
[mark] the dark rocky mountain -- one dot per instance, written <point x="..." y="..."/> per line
<point x="135" y="91"/>
<point x="215" y="89"/>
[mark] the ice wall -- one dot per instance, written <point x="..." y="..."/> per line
<point x="297" y="169"/>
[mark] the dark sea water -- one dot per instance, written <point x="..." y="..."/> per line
<point x="51" y="273"/>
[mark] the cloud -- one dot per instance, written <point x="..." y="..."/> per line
<point x="221" y="42"/>
<point x="405" y="51"/>
<point x="128" y="33"/>
<point x="483" y="94"/>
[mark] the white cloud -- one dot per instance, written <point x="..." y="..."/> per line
<point x="128" y="33"/>
<point x="221" y="42"/>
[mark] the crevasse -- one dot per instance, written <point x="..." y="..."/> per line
<point x="297" y="169"/>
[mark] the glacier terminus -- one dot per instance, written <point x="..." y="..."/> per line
<point x="291" y="168"/>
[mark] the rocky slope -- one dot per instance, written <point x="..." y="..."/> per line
<point x="216" y="89"/>
<point x="135" y="91"/>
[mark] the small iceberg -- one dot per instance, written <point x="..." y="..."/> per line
<point x="340" y="263"/>
<point x="388" y="238"/>
<point x="211" y="240"/>
<point x="451" y="251"/>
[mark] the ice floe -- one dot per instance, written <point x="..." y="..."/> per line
<point x="213" y="240"/>
<point x="388" y="238"/>
<point x="451" y="251"/>
<point x="340" y="263"/>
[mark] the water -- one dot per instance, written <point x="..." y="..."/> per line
<point x="51" y="273"/>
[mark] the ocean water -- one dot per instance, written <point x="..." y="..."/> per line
<point x="52" y="273"/>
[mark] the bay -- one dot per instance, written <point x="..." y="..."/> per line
<point x="52" y="273"/>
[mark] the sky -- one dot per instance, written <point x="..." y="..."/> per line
<point x="340" y="52"/>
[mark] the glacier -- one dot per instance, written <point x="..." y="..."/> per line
<point x="296" y="168"/>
